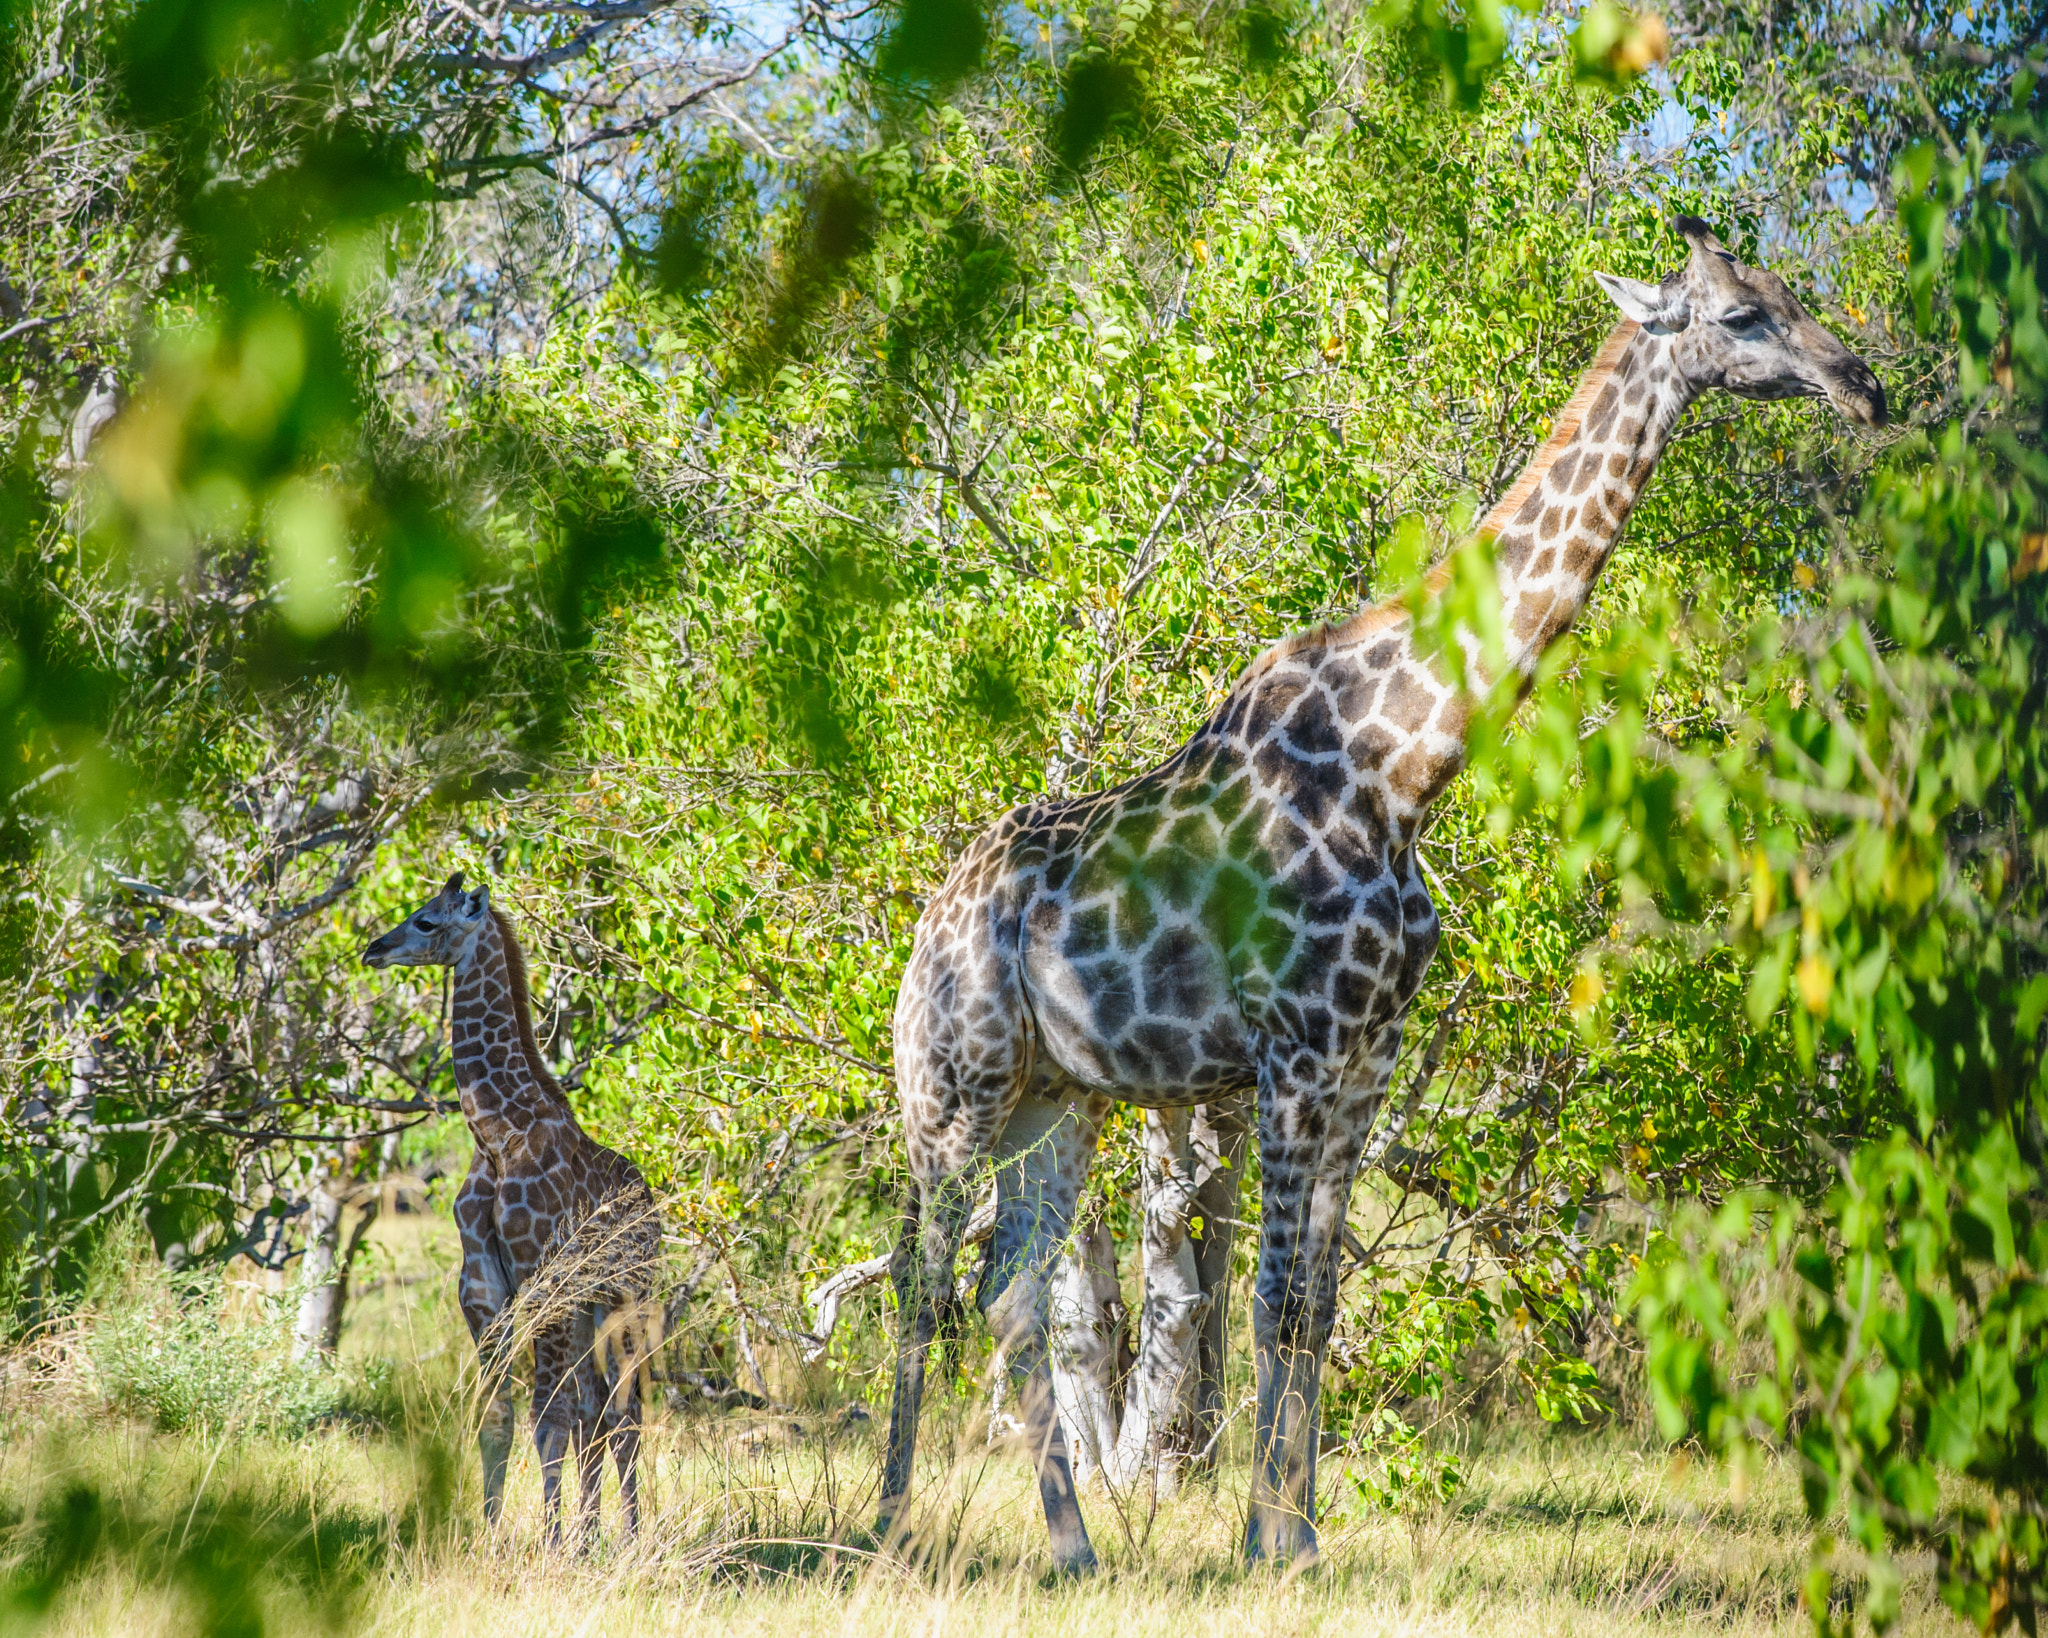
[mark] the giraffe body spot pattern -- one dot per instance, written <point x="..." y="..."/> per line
<point x="560" y="1235"/>
<point x="1249" y="919"/>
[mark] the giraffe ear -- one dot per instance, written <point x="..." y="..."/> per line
<point x="454" y="883"/>
<point x="1648" y="304"/>
<point x="479" y="901"/>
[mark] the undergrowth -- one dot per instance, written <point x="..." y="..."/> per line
<point x="193" y="1350"/>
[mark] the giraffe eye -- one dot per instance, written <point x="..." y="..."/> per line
<point x="1742" y="318"/>
<point x="423" y="924"/>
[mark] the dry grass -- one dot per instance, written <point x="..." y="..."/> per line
<point x="759" y="1526"/>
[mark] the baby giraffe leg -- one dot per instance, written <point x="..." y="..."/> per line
<point x="556" y="1418"/>
<point x="621" y="1426"/>
<point x="589" y="1450"/>
<point x="485" y="1292"/>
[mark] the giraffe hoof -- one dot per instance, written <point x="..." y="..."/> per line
<point x="1282" y="1549"/>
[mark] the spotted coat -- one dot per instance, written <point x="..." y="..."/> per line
<point x="1251" y="917"/>
<point x="560" y="1234"/>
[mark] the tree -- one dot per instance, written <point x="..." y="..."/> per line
<point x="699" y="507"/>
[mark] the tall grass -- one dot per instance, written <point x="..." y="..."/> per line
<point x="759" y="1524"/>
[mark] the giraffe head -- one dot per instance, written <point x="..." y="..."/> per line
<point x="438" y="934"/>
<point x="1739" y="328"/>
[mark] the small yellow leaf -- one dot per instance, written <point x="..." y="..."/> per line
<point x="2033" y="557"/>
<point x="1587" y="988"/>
<point x="1803" y="575"/>
<point x="1816" y="982"/>
<point x="1201" y="250"/>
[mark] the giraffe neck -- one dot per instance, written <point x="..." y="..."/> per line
<point x="505" y="1090"/>
<point x="1556" y="527"/>
<point x="1553" y="532"/>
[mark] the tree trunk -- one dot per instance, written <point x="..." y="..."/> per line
<point x="1220" y="1134"/>
<point x="1188" y="1200"/>
<point x="1162" y="1387"/>
<point x="81" y="1104"/>
<point x="323" y="1299"/>
<point x="1087" y="1346"/>
<point x="62" y="1143"/>
<point x="320" y="1295"/>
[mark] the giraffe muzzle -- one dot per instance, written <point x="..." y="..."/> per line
<point x="1858" y="396"/>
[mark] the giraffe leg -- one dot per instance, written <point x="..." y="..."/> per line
<point x="964" y="1048"/>
<point x="589" y="1438"/>
<point x="622" y="1434"/>
<point x="1041" y="1162"/>
<point x="1295" y="1105"/>
<point x="484" y="1291"/>
<point x="1312" y="1130"/>
<point x="1359" y="1102"/>
<point x="624" y="1346"/>
<point x="934" y="1224"/>
<point x="557" y="1414"/>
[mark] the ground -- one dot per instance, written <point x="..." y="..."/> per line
<point x="369" y="1524"/>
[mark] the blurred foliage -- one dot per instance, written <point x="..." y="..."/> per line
<point x="950" y="425"/>
<point x="1889" y="787"/>
<point x="231" y="1562"/>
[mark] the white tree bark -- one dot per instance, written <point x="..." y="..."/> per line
<point x="1219" y="1133"/>
<point x="1163" y="1382"/>
<point x="323" y="1297"/>
<point x="320" y="1294"/>
<point x="1087" y="1347"/>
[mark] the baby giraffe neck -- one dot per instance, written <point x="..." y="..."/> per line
<point x="505" y="1092"/>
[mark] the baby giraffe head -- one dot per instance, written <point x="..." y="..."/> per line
<point x="1741" y="329"/>
<point x="441" y="933"/>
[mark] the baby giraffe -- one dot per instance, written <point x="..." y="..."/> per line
<point x="559" y="1234"/>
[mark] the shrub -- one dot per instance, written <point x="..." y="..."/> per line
<point x="193" y="1349"/>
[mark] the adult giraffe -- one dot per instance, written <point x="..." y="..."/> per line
<point x="1250" y="914"/>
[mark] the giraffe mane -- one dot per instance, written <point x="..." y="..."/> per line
<point x="1564" y="428"/>
<point x="522" y="1005"/>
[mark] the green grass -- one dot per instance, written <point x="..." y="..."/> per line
<point x="759" y="1525"/>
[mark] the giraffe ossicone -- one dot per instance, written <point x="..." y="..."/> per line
<point x="1250" y="915"/>
<point x="560" y="1235"/>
